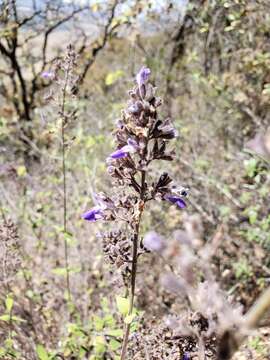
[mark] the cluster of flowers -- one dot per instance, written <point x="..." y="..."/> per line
<point x="141" y="138"/>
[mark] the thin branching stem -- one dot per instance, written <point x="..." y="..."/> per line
<point x="63" y="123"/>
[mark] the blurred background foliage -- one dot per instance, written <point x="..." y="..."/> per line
<point x="210" y="61"/>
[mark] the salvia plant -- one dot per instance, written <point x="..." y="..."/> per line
<point x="62" y="97"/>
<point x="141" y="138"/>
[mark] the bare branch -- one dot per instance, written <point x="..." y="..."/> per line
<point x="107" y="33"/>
<point x="52" y="28"/>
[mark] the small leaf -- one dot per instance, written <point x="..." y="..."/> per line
<point x="2" y="352"/>
<point x="9" y="304"/>
<point x="99" y="344"/>
<point x="129" y="318"/>
<point x="42" y="353"/>
<point x="5" y="317"/>
<point x="114" y="344"/>
<point x="21" y="170"/>
<point x="75" y="270"/>
<point x="112" y="77"/>
<point x="98" y="323"/>
<point x="118" y="333"/>
<point x="109" y="321"/>
<point x="122" y="305"/>
<point x="69" y="239"/>
<point x="95" y="7"/>
<point x="16" y="318"/>
<point x="59" y="271"/>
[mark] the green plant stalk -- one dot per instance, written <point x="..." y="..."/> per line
<point x="63" y="120"/>
<point x="132" y="295"/>
<point x="133" y="269"/>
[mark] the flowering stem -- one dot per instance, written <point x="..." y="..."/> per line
<point x="133" y="285"/>
<point x="63" y="121"/>
<point x="133" y="269"/>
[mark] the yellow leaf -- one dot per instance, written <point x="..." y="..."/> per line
<point x="21" y="170"/>
<point x="112" y="77"/>
<point x="94" y="7"/>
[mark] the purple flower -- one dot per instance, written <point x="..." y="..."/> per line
<point x="93" y="214"/>
<point x="136" y="108"/>
<point x="153" y="241"/>
<point x="177" y="200"/>
<point x="48" y="75"/>
<point x="186" y="356"/>
<point x="143" y="76"/>
<point x="131" y="147"/>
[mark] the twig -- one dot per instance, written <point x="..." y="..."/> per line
<point x="63" y="123"/>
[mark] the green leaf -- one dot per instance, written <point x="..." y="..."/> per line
<point x="75" y="270"/>
<point x="105" y="304"/>
<point x="122" y="305"/>
<point x="2" y="352"/>
<point x="109" y="321"/>
<point x="69" y="238"/>
<point x="252" y="216"/>
<point x="9" y="303"/>
<point x="63" y="271"/>
<point x="129" y="318"/>
<point x="17" y="319"/>
<point x="118" y="333"/>
<point x="42" y="353"/>
<point x="59" y="271"/>
<point x="224" y="210"/>
<point x="98" y="323"/>
<point x="99" y="345"/>
<point x="5" y="317"/>
<point x="250" y="166"/>
<point x="114" y="344"/>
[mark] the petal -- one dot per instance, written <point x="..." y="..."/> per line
<point x="172" y="198"/>
<point x="143" y="75"/>
<point x="181" y="203"/>
<point x="132" y="142"/>
<point x="92" y="214"/>
<point x="119" y="154"/>
<point x="132" y="145"/>
<point x="153" y="241"/>
<point x="89" y="215"/>
<point x="47" y="75"/>
<point x="178" y="201"/>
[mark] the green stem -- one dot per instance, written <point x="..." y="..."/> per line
<point x="133" y="269"/>
<point x="63" y="120"/>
